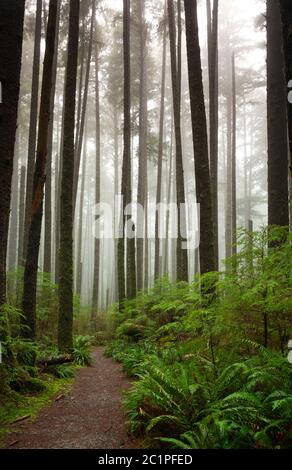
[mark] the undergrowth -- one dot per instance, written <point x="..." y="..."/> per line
<point x="209" y="358"/>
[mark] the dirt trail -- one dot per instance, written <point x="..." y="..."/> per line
<point x="89" y="417"/>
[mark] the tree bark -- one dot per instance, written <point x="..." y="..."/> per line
<point x="228" y="212"/>
<point x="32" y="136"/>
<point x="182" y="256"/>
<point x="95" y="293"/>
<point x="278" y="213"/>
<point x="83" y="113"/>
<point x="234" y="129"/>
<point x="11" y="31"/>
<point x="213" y="117"/>
<point x="160" y="158"/>
<point x="142" y="174"/>
<point x="21" y="214"/>
<point x="286" y="14"/>
<point x="36" y="214"/>
<point x="126" y="185"/>
<point x="13" y="226"/>
<point x="48" y="185"/>
<point x="200" y="140"/>
<point x="80" y="221"/>
<point x="65" y="324"/>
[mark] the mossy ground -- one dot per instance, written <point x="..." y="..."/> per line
<point x="15" y="405"/>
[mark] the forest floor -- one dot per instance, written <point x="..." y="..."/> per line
<point x="89" y="416"/>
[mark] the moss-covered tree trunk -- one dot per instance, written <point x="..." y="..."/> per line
<point x="200" y="139"/>
<point x="65" y="324"/>
<point x="36" y="213"/>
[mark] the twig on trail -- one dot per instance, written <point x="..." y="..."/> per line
<point x="12" y="443"/>
<point x="59" y="397"/>
<point x="22" y="418"/>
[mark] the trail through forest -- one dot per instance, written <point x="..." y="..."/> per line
<point x="90" y="416"/>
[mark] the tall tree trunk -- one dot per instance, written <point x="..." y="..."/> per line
<point x="234" y="129"/>
<point x="11" y="30"/>
<point x="213" y="118"/>
<point x="182" y="256"/>
<point x="278" y="213"/>
<point x="168" y="201"/>
<point x="179" y="51"/>
<point x="116" y="193"/>
<point x="79" y="263"/>
<point x="286" y="14"/>
<point x="228" y="215"/>
<point x="21" y="214"/>
<point x="83" y="112"/>
<point x="142" y="174"/>
<point x="200" y="140"/>
<point x="65" y="324"/>
<point x="80" y="84"/>
<point x="48" y="185"/>
<point x="160" y="159"/>
<point x="36" y="214"/>
<point x="95" y="294"/>
<point x="126" y="186"/>
<point x="12" y="251"/>
<point x="32" y="135"/>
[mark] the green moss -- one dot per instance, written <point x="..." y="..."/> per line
<point x="14" y="405"/>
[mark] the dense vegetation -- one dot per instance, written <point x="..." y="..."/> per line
<point x="32" y="372"/>
<point x="210" y="362"/>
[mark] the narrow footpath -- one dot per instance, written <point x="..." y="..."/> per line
<point x="90" y="416"/>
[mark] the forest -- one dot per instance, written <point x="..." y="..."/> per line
<point x="145" y="224"/>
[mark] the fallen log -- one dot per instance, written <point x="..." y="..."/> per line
<point x="53" y="361"/>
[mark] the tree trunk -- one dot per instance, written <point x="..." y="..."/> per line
<point x="95" y="294"/>
<point x="168" y="201"/>
<point x="21" y="214"/>
<point x="234" y="128"/>
<point x="160" y="159"/>
<point x="228" y="215"/>
<point x="36" y="214"/>
<point x="11" y="30"/>
<point x="286" y="13"/>
<point x="32" y="135"/>
<point x="12" y="251"/>
<point x="182" y="256"/>
<point x="83" y="112"/>
<point x="48" y="186"/>
<point x="65" y="324"/>
<point x="213" y="119"/>
<point x="126" y="186"/>
<point x="200" y="140"/>
<point x="79" y="263"/>
<point x="142" y="174"/>
<point x="278" y="213"/>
